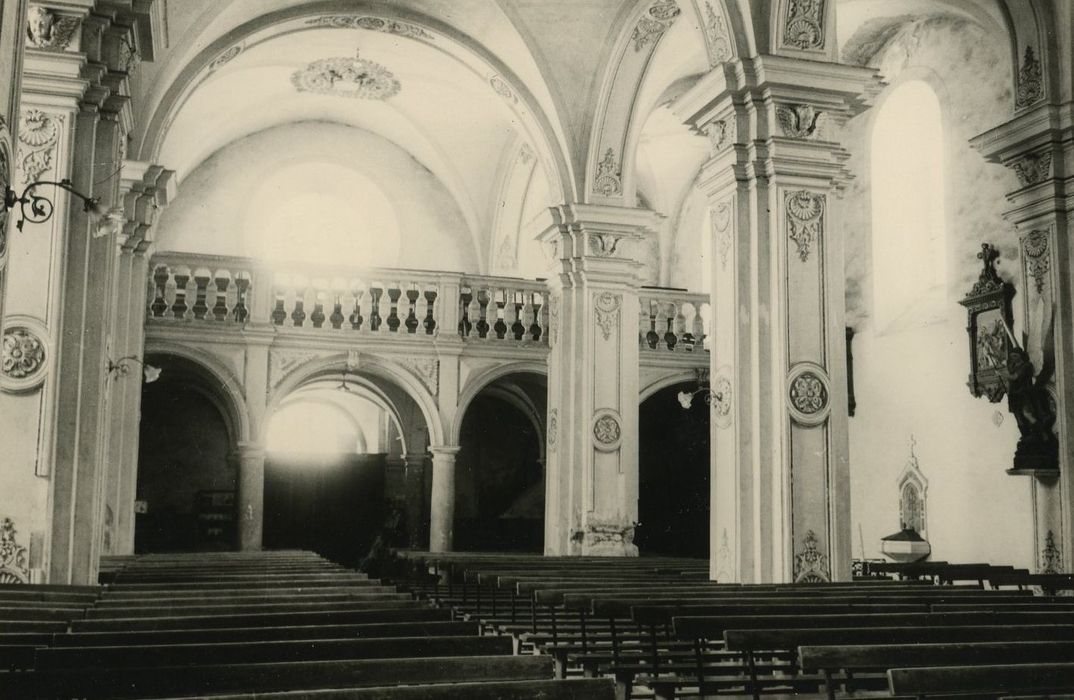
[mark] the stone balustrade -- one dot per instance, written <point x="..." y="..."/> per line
<point x="672" y="320"/>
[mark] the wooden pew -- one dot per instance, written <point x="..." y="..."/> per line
<point x="982" y="681"/>
<point x="578" y="689"/>
<point x="404" y="612"/>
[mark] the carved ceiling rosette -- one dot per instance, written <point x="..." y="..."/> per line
<point x="607" y="430"/>
<point x="607" y="307"/>
<point x="356" y="78"/>
<point x="808" y="394"/>
<point x="805" y="219"/>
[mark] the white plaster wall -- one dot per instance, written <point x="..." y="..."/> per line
<point x="912" y="380"/>
<point x="209" y="214"/>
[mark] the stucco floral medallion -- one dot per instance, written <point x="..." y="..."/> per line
<point x="607" y="430"/>
<point x="607" y="307"/>
<point x="722" y="395"/>
<point x="23" y="354"/>
<point x="808" y="394"/>
<point x="356" y="78"/>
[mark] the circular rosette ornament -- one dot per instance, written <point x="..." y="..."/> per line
<point x="357" y="78"/>
<point x="24" y="353"/>
<point x="607" y="430"/>
<point x="808" y="394"/>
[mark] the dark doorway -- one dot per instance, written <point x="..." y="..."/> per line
<point x="332" y="504"/>
<point x="186" y="483"/>
<point x="673" y="463"/>
<point x="499" y="496"/>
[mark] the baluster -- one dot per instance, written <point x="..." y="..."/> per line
<point x="659" y="325"/>
<point x="486" y="298"/>
<point x="688" y="313"/>
<point x="202" y="277"/>
<point x="358" y="294"/>
<point x="394" y="292"/>
<point x="466" y="296"/>
<point x="412" y="309"/>
<point x="670" y="339"/>
<point x="678" y="327"/>
<point x="430" y="311"/>
<point x="298" y="313"/>
<point x="474" y="314"/>
<point x="368" y="309"/>
<point x="527" y="332"/>
<point x="652" y="338"/>
<point x="160" y="284"/>
<point x="380" y="307"/>
<point x="241" y="310"/>
<point x="501" y="324"/>
<point x="643" y="322"/>
<point x="223" y="281"/>
<point x="182" y="276"/>
<point x="319" y="300"/>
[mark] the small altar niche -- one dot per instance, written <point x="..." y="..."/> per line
<point x="909" y="544"/>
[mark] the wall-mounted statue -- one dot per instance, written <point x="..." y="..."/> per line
<point x="1033" y="406"/>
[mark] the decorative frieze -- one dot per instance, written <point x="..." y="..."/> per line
<point x="14" y="558"/>
<point x="1033" y="168"/>
<point x="373" y="24"/>
<point x="1038" y="261"/>
<point x="283" y="362"/>
<point x="718" y="39"/>
<point x="811" y="564"/>
<point x="23" y="353"/>
<point x="427" y="369"/>
<point x="652" y="25"/>
<point x="803" y="27"/>
<point x="356" y="78"/>
<point x="48" y="30"/>
<point x="607" y="307"/>
<point x="798" y="121"/>
<point x="39" y="132"/>
<point x="805" y="219"/>
<point x="608" y="181"/>
<point x="1030" y="81"/>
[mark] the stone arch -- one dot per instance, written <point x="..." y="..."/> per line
<point x="390" y="371"/>
<point x="476" y="384"/>
<point x="552" y="151"/>
<point x="228" y="392"/>
<point x="666" y="380"/>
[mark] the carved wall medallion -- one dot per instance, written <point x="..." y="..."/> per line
<point x="1032" y="169"/>
<point x="1051" y="558"/>
<point x="373" y="24"/>
<point x="1038" y="261"/>
<point x="722" y="396"/>
<point x="607" y="430"/>
<point x="798" y="121"/>
<point x="1030" y="81"/>
<point x="811" y="564"/>
<point x="23" y="353"/>
<point x="39" y="132"/>
<point x="427" y="369"/>
<point x="654" y="23"/>
<point x="804" y="25"/>
<point x="603" y="245"/>
<point x="356" y="78"/>
<point x="553" y="427"/>
<point x="808" y="394"/>
<point x="805" y="219"/>
<point x="721" y="229"/>
<point x="608" y="182"/>
<point x="719" y="40"/>
<point x="607" y="307"/>
<point x="50" y="31"/>
<point x="14" y="558"/>
<point x="226" y="57"/>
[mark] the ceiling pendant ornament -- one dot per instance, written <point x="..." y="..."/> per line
<point x="1030" y="82"/>
<point x="356" y="78"/>
<point x="654" y="23"/>
<point x="804" y="28"/>
<point x="805" y="219"/>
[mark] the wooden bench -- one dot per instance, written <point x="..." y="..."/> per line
<point x="578" y="689"/>
<point x="402" y="613"/>
<point x="982" y="681"/>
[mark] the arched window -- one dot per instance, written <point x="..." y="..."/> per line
<point x="909" y="277"/>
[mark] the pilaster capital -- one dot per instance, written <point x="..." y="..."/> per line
<point x="443" y="453"/>
<point x="245" y="451"/>
<point x="600" y="242"/>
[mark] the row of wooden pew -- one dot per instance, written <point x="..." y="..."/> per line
<point x="984" y="575"/>
<point x="279" y="624"/>
<point x="659" y="626"/>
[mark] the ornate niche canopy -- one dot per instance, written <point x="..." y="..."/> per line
<point x="989" y="307"/>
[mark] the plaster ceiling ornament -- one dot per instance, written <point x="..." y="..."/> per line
<point x="607" y="307"/>
<point x="47" y="30"/>
<point x="553" y="426"/>
<point x="1032" y="169"/>
<point x="607" y="181"/>
<point x="1051" y="557"/>
<point x="525" y="154"/>
<point x="1038" y="261"/>
<point x="373" y="24"/>
<point x="805" y="219"/>
<point x="652" y="25"/>
<point x="721" y="228"/>
<point x="283" y="362"/>
<point x="811" y="564"/>
<point x="607" y="430"/>
<point x="1030" y="81"/>
<point x="804" y="27"/>
<point x="356" y="78"/>
<point x="798" y="121"/>
<point x="427" y="369"/>
<point x="23" y="353"/>
<point x="721" y="401"/>
<point x="501" y="88"/>
<point x="603" y="245"/>
<point x="39" y="133"/>
<point x="725" y="566"/>
<point x="719" y="41"/>
<point x="226" y="57"/>
<point x="14" y="558"/>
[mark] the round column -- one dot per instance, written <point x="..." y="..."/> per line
<point x="414" y="485"/>
<point x="442" y="525"/>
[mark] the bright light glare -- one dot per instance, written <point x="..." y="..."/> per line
<point x="312" y="428"/>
